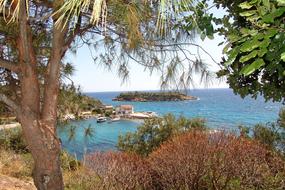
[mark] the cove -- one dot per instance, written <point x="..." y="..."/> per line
<point x="104" y="136"/>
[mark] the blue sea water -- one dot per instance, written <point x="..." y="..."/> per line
<point x="220" y="107"/>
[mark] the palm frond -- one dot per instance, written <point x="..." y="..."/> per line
<point x="171" y="9"/>
<point x="10" y="9"/>
<point x="73" y="8"/>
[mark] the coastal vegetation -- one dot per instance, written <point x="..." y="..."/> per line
<point x="193" y="160"/>
<point x="272" y="134"/>
<point x="166" y="153"/>
<point x="155" y="131"/>
<point x="153" y="96"/>
<point x="35" y="37"/>
<point x="72" y="101"/>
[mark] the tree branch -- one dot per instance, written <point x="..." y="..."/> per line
<point x="9" y="65"/>
<point x="77" y="32"/>
<point x="49" y="109"/>
<point x="11" y="104"/>
<point x="30" y="89"/>
<point x="185" y="44"/>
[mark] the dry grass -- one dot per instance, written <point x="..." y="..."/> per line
<point x="15" y="165"/>
<point x="80" y="179"/>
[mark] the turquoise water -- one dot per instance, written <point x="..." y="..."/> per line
<point x="104" y="136"/>
<point x="220" y="107"/>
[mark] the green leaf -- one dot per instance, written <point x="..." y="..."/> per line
<point x="281" y="2"/>
<point x="268" y="19"/>
<point x="203" y="36"/>
<point x="247" y="13"/>
<point x="271" y="32"/>
<point x="283" y="56"/>
<point x="266" y="3"/>
<point x="234" y="38"/>
<point x="262" y="10"/>
<point x="249" y="45"/>
<point x="262" y="52"/>
<point x="253" y="1"/>
<point x="245" y="5"/>
<point x="232" y="56"/>
<point x="278" y="12"/>
<point x="249" y="69"/>
<point x="246" y="31"/>
<point x="265" y="43"/>
<point x="248" y="57"/>
<point x="226" y="48"/>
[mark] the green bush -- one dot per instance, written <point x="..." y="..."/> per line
<point x="271" y="134"/>
<point x="97" y="111"/>
<point x="155" y="131"/>
<point x="108" y="113"/>
<point x="68" y="162"/>
<point x="12" y="139"/>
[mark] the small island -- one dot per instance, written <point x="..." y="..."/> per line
<point x="153" y="96"/>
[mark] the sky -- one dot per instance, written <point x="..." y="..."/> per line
<point x="95" y="78"/>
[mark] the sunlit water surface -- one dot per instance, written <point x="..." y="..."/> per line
<point x="220" y="107"/>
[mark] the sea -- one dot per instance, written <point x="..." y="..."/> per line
<point x="221" y="108"/>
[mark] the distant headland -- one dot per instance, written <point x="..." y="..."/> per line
<point x="153" y="96"/>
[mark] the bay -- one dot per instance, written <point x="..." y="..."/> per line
<point x="220" y="107"/>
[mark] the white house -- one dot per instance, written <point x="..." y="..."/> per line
<point x="124" y="110"/>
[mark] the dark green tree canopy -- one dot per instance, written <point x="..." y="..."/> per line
<point x="255" y="48"/>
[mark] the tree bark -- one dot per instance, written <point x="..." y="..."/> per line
<point x="39" y="130"/>
<point x="45" y="149"/>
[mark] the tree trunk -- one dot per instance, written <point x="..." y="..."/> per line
<point x="38" y="113"/>
<point x="45" y="149"/>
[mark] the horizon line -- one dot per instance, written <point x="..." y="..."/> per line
<point x="215" y="88"/>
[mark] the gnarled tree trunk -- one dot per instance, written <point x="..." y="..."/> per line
<point x="38" y="113"/>
<point x="45" y="149"/>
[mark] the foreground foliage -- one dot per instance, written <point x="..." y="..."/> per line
<point x="16" y="161"/>
<point x="35" y="37"/>
<point x="153" y="132"/>
<point x="255" y="49"/>
<point x="194" y="160"/>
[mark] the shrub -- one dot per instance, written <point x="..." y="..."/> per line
<point x="11" y="139"/>
<point x="68" y="162"/>
<point x="120" y="171"/>
<point x="199" y="160"/>
<point x="271" y="134"/>
<point x="155" y="131"/>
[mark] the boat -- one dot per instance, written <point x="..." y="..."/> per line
<point x="115" y="119"/>
<point x="101" y="119"/>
